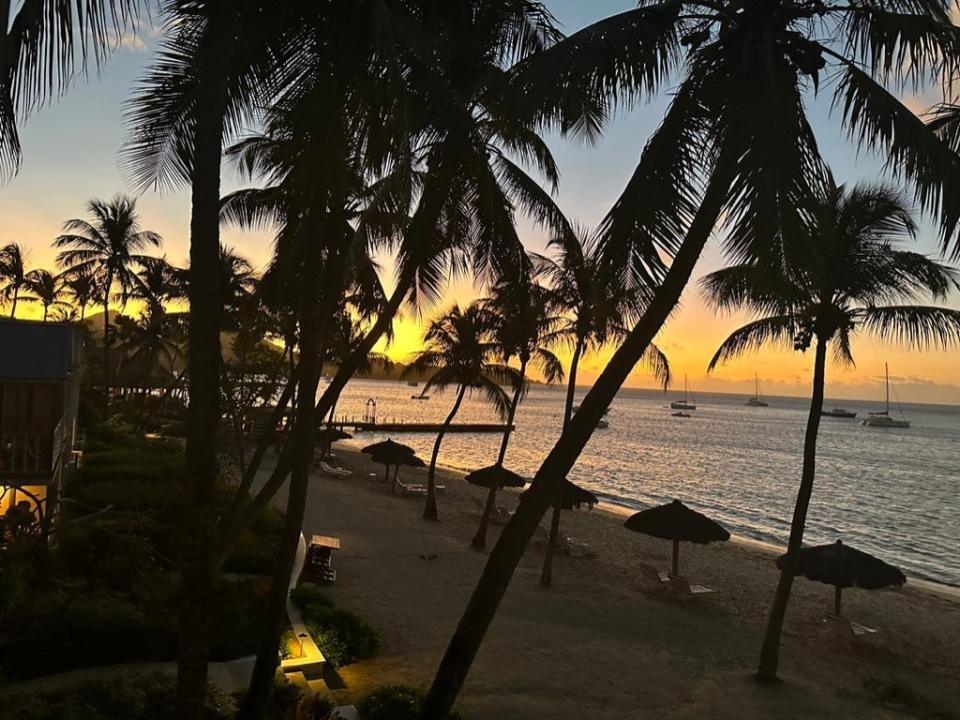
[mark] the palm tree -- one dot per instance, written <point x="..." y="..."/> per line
<point x="849" y="276"/>
<point x="456" y="61"/>
<point x="45" y="288"/>
<point x="158" y="283"/>
<point x="40" y="46"/>
<point x="219" y="62"/>
<point x="13" y="272"/>
<point x="108" y="247"/>
<point x="735" y="141"/>
<point x="595" y="307"/>
<point x="150" y="342"/>
<point x="460" y="352"/>
<point x="523" y="326"/>
<point x="83" y="290"/>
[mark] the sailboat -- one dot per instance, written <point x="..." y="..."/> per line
<point x="882" y="418"/>
<point x="688" y="402"/>
<point x="757" y="399"/>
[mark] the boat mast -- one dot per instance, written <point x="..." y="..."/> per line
<point x="886" y="369"/>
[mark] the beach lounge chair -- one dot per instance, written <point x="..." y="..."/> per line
<point x="657" y="576"/>
<point x="331" y="470"/>
<point x="682" y="588"/>
<point x="577" y="549"/>
<point x="846" y="628"/>
<point x="499" y="516"/>
<point x="416" y="489"/>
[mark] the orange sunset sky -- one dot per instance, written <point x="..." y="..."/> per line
<point x="71" y="155"/>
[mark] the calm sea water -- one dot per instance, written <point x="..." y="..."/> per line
<point x="893" y="493"/>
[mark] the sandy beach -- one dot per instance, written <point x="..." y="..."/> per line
<point x="605" y="642"/>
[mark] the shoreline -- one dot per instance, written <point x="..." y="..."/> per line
<point x="606" y="638"/>
<point x="760" y="547"/>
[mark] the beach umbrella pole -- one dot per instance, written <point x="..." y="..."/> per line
<point x="676" y="557"/>
<point x="837" y="599"/>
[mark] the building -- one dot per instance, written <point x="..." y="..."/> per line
<point x="40" y="370"/>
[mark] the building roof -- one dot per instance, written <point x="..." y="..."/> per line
<point x="37" y="351"/>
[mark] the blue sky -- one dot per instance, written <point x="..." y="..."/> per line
<point x="71" y="155"/>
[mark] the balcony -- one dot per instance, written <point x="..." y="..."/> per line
<point x="25" y="457"/>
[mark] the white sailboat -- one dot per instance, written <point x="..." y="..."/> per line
<point x="757" y="399"/>
<point x="883" y="419"/>
<point x="688" y="402"/>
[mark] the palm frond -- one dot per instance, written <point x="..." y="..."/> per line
<point x="913" y="326"/>
<point x="777" y="330"/>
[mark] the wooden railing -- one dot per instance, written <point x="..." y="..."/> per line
<point x="22" y="453"/>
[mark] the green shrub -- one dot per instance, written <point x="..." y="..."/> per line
<point x="395" y="702"/>
<point x="128" y="697"/>
<point x="342" y="636"/>
<point x="306" y="596"/>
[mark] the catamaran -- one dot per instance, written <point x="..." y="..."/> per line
<point x="883" y="419"/>
<point x="838" y="412"/>
<point x="688" y="402"/>
<point x="757" y="399"/>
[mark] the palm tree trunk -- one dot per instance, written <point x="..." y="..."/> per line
<point x="572" y="383"/>
<point x="106" y="341"/>
<point x="770" y="653"/>
<point x="430" y="509"/>
<point x="16" y="295"/>
<point x="203" y="412"/>
<point x="420" y="230"/>
<point x="303" y="437"/>
<point x="546" y="575"/>
<point x="263" y="444"/>
<point x="505" y="556"/>
<point x="479" y="541"/>
<point x="46" y="311"/>
<point x="83" y="311"/>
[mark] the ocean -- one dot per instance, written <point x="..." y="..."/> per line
<point x="892" y="493"/>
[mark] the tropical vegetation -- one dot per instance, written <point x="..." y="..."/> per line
<point x="417" y="130"/>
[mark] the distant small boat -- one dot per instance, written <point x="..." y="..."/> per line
<point x="680" y="414"/>
<point x="575" y="408"/>
<point x="688" y="402"/>
<point x="603" y="424"/>
<point x="838" y="412"/>
<point x="412" y="383"/>
<point x="420" y="396"/>
<point x="883" y="419"/>
<point x="757" y="399"/>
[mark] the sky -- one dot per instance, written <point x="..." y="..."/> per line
<point x="71" y="155"/>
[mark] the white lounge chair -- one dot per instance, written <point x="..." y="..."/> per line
<point x="657" y="576"/>
<point x="416" y="489"/>
<point x="331" y="470"/>
<point x="682" y="588"/>
<point x="847" y="628"/>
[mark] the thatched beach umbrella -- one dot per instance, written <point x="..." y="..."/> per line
<point x="326" y="436"/>
<point x="675" y="521"/>
<point x="570" y="496"/>
<point x="843" y="566"/>
<point x="396" y="458"/>
<point x="388" y="446"/>
<point x="492" y="477"/>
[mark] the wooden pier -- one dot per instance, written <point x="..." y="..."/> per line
<point x="412" y="427"/>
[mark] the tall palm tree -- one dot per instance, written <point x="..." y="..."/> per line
<point x="45" y="288"/>
<point x="735" y="141"/>
<point x="41" y="46"/>
<point x="151" y="342"/>
<point x="109" y="246"/>
<point x="595" y="307"/>
<point x="13" y="273"/>
<point x="460" y="352"/>
<point x="471" y="147"/>
<point x="158" y="283"/>
<point x="848" y="276"/>
<point x="597" y="310"/>
<point x="523" y="326"/>
<point x="82" y="289"/>
<point x="219" y="62"/>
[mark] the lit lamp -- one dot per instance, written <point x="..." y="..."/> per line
<point x="301" y="637"/>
